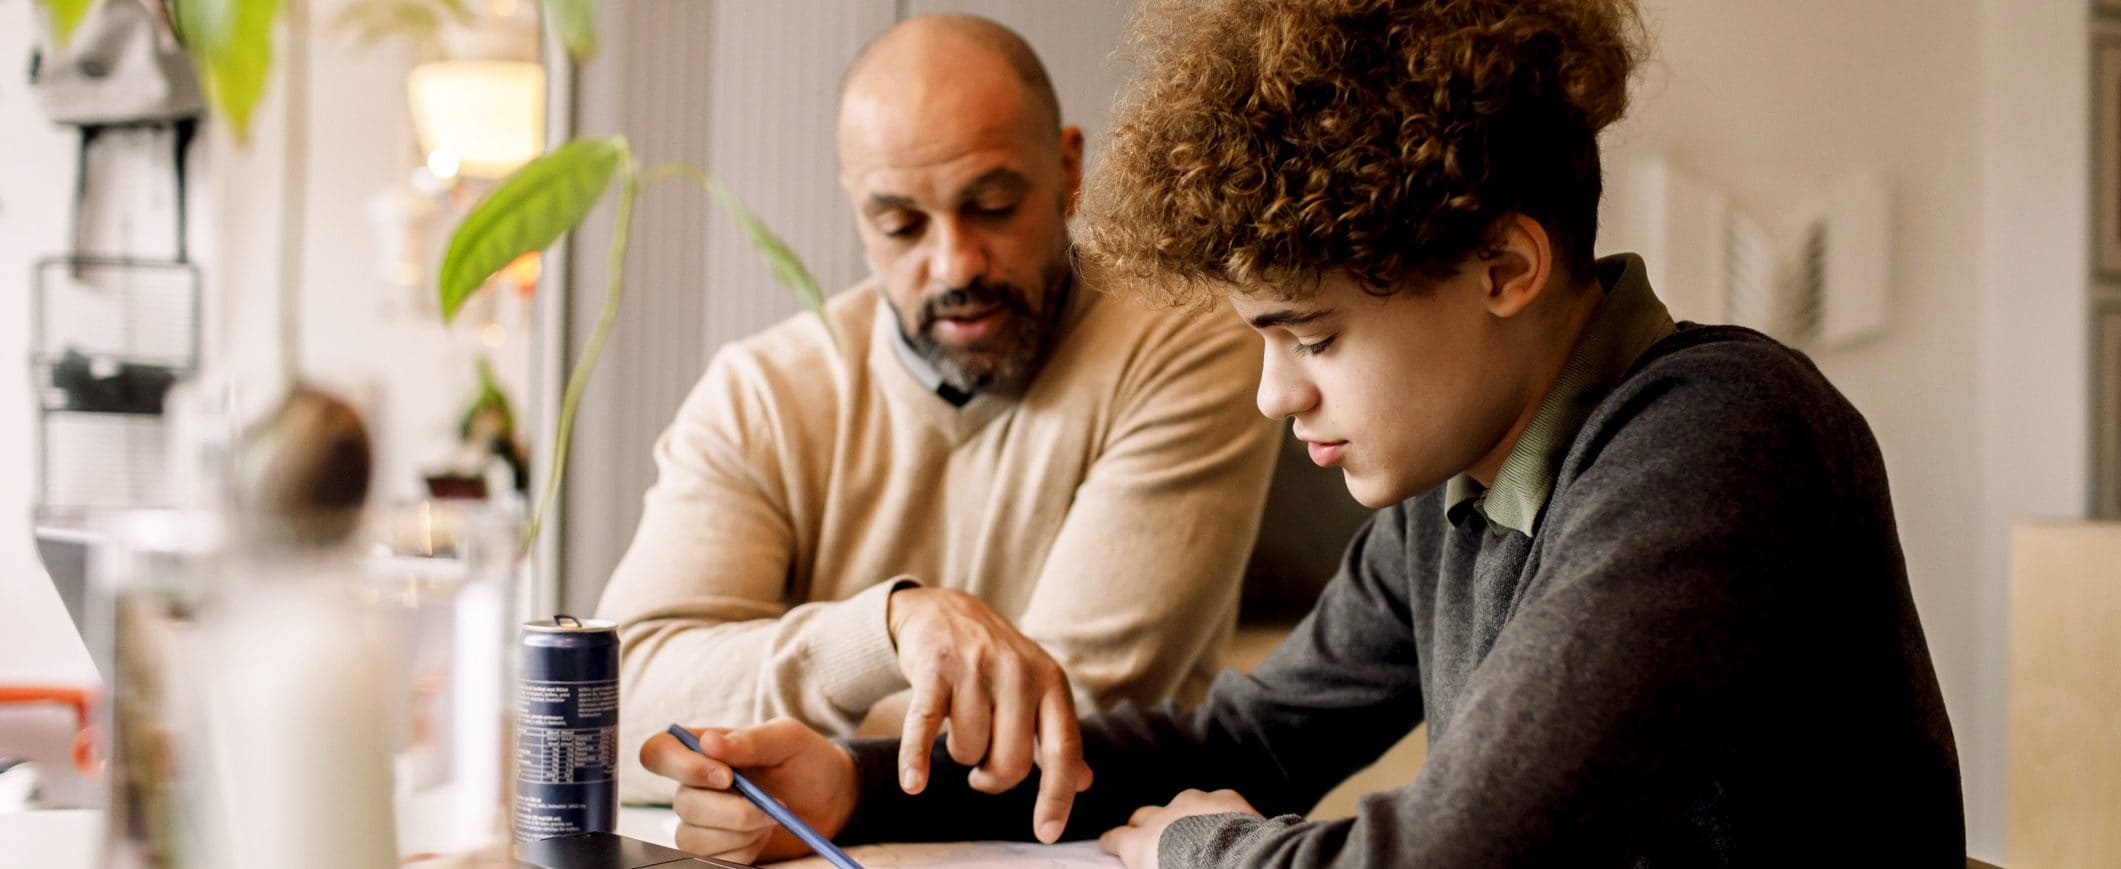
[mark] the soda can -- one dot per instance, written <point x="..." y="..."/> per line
<point x="567" y="729"/>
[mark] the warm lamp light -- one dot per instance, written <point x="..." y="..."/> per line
<point x="489" y="114"/>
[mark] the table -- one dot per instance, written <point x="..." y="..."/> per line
<point x="69" y="839"/>
<point x="57" y="838"/>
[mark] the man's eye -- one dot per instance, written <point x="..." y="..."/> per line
<point x="1001" y="209"/>
<point x="898" y="227"/>
<point x="1314" y="348"/>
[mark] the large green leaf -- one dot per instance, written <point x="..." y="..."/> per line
<point x="575" y="23"/>
<point x="528" y="212"/>
<point x="66" y="15"/>
<point x="232" y="42"/>
<point x="239" y="73"/>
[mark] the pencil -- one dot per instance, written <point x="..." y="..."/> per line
<point x="773" y="807"/>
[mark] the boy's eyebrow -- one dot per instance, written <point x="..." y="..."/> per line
<point x="1289" y="317"/>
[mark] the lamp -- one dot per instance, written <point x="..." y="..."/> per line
<point x="485" y="116"/>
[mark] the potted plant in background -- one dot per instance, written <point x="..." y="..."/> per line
<point x="537" y="204"/>
<point x="552" y="195"/>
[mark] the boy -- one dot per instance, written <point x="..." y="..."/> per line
<point x="1641" y="579"/>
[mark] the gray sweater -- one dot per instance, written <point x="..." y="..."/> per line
<point x="1707" y="656"/>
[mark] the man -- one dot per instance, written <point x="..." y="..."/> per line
<point x="984" y="462"/>
<point x="1640" y="578"/>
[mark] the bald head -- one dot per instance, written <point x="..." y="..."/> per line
<point x="932" y="50"/>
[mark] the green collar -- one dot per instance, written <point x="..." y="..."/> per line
<point x="1627" y="322"/>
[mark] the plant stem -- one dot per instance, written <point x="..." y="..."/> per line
<point x="691" y="173"/>
<point x="577" y="380"/>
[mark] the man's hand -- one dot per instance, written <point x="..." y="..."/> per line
<point x="1006" y="700"/>
<point x="809" y="775"/>
<point x="1135" y="843"/>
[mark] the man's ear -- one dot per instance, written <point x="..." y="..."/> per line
<point x="1071" y="152"/>
<point x="1518" y="266"/>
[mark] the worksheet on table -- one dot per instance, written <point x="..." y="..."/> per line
<point x="988" y="855"/>
<point x="659" y="825"/>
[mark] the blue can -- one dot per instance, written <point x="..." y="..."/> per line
<point x="567" y="729"/>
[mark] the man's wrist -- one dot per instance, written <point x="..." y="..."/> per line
<point x="894" y="610"/>
<point x="850" y="654"/>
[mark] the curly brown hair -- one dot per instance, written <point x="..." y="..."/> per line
<point x="1267" y="142"/>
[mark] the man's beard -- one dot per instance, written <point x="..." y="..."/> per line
<point x="1011" y="353"/>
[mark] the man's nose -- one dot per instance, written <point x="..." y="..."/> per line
<point x="960" y="256"/>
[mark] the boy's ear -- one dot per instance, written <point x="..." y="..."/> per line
<point x="1518" y="266"/>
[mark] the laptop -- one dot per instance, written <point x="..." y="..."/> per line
<point x="64" y="550"/>
<point x="610" y="851"/>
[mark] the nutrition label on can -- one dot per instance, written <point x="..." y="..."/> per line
<point x="567" y="732"/>
<point x="551" y="756"/>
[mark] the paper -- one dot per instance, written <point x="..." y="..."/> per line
<point x="659" y="825"/>
<point x="1004" y="855"/>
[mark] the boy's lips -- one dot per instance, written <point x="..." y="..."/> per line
<point x="1326" y="454"/>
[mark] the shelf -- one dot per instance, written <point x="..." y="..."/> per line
<point x="131" y="388"/>
<point x="112" y="415"/>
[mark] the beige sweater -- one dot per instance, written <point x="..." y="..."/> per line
<point x="1107" y="510"/>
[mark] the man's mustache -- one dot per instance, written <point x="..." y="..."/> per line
<point x="973" y="299"/>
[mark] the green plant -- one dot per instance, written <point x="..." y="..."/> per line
<point x="66" y="15"/>
<point x="231" y="40"/>
<point x="574" y="22"/>
<point x="551" y="195"/>
<point x="489" y="399"/>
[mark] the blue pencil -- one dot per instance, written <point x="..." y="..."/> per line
<point x="773" y="807"/>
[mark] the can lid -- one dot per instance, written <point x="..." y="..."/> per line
<point x="566" y="624"/>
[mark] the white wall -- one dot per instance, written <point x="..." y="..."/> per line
<point x="2034" y="103"/>
<point x="1974" y="110"/>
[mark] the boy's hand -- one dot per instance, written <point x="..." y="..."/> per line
<point x="1135" y="843"/>
<point x="1006" y="700"/>
<point x="807" y="773"/>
